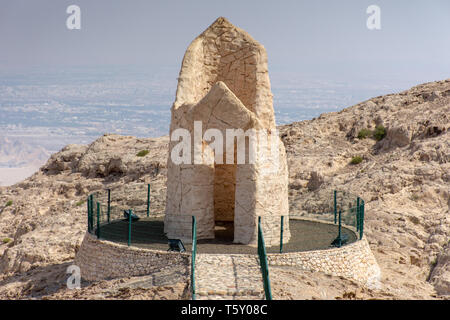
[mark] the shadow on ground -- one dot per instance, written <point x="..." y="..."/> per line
<point x="149" y="233"/>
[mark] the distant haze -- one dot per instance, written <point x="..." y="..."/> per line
<point x="314" y="37"/>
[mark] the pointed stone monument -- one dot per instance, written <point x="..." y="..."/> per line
<point x="233" y="168"/>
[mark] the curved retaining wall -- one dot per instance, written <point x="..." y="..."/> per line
<point x="354" y="261"/>
<point x="99" y="260"/>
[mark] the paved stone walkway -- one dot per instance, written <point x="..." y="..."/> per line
<point x="228" y="276"/>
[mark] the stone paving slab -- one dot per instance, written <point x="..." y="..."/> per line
<point x="232" y="277"/>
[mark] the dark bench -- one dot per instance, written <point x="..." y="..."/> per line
<point x="126" y="214"/>
<point x="340" y="242"/>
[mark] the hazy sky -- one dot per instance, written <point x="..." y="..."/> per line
<point x="313" y="37"/>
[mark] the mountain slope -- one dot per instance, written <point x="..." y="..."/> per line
<point x="404" y="178"/>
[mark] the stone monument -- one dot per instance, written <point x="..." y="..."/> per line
<point x="233" y="166"/>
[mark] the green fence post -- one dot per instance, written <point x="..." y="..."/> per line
<point x="359" y="221"/>
<point x="281" y="234"/>
<point x="340" y="229"/>
<point x="357" y="213"/>
<point x="109" y="204"/>
<point x="263" y="262"/>
<point x="335" y="207"/>
<point x="98" y="220"/>
<point x="194" y="254"/>
<point x="361" y="227"/>
<point x="148" y="200"/>
<point x="259" y="227"/>
<point x="130" y="212"/>
<point x="92" y="212"/>
<point x="89" y="213"/>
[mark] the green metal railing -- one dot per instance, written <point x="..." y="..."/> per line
<point x="130" y="215"/>
<point x="320" y="205"/>
<point x="342" y="209"/>
<point x="263" y="262"/>
<point x="107" y="207"/>
<point x="281" y="234"/>
<point x="148" y="200"/>
<point x="89" y="212"/>
<point x="194" y="255"/>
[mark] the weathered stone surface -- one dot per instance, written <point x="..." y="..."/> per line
<point x="220" y="276"/>
<point x="398" y="136"/>
<point x="440" y="276"/>
<point x="354" y="261"/>
<point x="224" y="84"/>
<point x="315" y="181"/>
<point x="232" y="277"/>
<point x="99" y="260"/>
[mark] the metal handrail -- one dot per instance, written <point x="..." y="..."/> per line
<point x="263" y="262"/>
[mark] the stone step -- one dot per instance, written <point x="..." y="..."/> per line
<point x="234" y="277"/>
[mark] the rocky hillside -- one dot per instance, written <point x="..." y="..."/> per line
<point x="404" y="178"/>
<point x="402" y="144"/>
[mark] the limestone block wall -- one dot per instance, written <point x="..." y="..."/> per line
<point x="99" y="260"/>
<point x="354" y="261"/>
<point x="260" y="189"/>
<point x="261" y="192"/>
<point x="224" y="85"/>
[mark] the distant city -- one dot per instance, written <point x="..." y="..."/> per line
<point x="46" y="110"/>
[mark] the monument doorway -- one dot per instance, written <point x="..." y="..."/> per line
<point x="224" y="201"/>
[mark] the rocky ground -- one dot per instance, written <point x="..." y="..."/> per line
<point x="404" y="178"/>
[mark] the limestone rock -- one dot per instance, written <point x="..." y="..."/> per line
<point x="440" y="276"/>
<point x="224" y="85"/>
<point x="64" y="160"/>
<point x="315" y="181"/>
<point x="398" y="136"/>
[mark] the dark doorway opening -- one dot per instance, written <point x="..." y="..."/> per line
<point x="224" y="197"/>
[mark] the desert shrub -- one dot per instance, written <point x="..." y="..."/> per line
<point x="364" y="133"/>
<point x="142" y="153"/>
<point x="9" y="203"/>
<point x="6" y="240"/>
<point x="434" y="263"/>
<point x="379" y="133"/>
<point x="356" y="160"/>
<point x="79" y="203"/>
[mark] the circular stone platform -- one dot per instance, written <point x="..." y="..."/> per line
<point x="148" y="233"/>
<point x="309" y="249"/>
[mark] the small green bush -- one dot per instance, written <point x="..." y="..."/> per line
<point x="356" y="160"/>
<point x="364" y="133"/>
<point x="434" y="263"/>
<point x="79" y="203"/>
<point x="379" y="133"/>
<point x="142" y="153"/>
<point x="9" y="203"/>
<point x="6" y="240"/>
